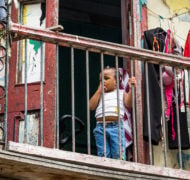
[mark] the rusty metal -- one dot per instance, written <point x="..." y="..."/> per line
<point x="178" y="120"/>
<point x="163" y="119"/>
<point x="57" y="97"/>
<point x="103" y="107"/>
<point x="148" y="114"/>
<point x="25" y="96"/>
<point x="87" y="99"/>
<point x="118" y="104"/>
<point x="41" y="96"/>
<point x="73" y="98"/>
<point x="22" y="32"/>
<point x="6" y="77"/>
<point x="134" y="117"/>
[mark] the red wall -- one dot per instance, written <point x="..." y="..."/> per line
<point x="16" y="92"/>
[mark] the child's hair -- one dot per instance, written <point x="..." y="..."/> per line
<point x="114" y="69"/>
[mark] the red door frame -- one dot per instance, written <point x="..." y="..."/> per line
<point x="16" y="92"/>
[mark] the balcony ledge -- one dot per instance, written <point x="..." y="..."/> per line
<point x="23" y="161"/>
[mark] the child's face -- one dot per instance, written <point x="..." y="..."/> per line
<point x="109" y="80"/>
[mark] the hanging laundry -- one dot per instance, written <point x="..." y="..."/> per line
<point x="127" y="115"/>
<point x="172" y="124"/>
<point x="154" y="39"/>
<point x="183" y="94"/>
<point x="168" y="75"/>
<point x="187" y="46"/>
<point x="172" y="46"/>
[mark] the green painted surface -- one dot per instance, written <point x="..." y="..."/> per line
<point x="37" y="45"/>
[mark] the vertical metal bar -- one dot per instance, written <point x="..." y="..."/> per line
<point x="57" y="86"/>
<point x="41" y="94"/>
<point x="87" y="99"/>
<point x="177" y="115"/>
<point x="118" y="104"/>
<point x="134" y="115"/>
<point x="103" y="108"/>
<point x="57" y="96"/>
<point x="148" y="113"/>
<point x="73" y="98"/>
<point x="6" y="76"/>
<point x="25" y="96"/>
<point x="163" y="117"/>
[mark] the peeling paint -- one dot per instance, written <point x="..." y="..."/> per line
<point x="33" y="15"/>
<point x="33" y="129"/>
<point x="49" y="92"/>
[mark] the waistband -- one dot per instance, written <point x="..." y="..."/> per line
<point x="108" y="119"/>
<point x="110" y="122"/>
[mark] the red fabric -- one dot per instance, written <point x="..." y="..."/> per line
<point x="187" y="46"/>
<point x="187" y="52"/>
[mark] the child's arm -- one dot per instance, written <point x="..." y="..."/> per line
<point x="94" y="100"/>
<point x="128" y="95"/>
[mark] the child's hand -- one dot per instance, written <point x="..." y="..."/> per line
<point x="132" y="81"/>
<point x="99" y="90"/>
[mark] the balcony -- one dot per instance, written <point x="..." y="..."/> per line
<point x="29" y="160"/>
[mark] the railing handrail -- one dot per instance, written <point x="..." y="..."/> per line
<point x="23" y="32"/>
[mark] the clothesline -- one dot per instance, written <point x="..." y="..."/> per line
<point x="169" y="19"/>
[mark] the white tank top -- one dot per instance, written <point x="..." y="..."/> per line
<point x="110" y="104"/>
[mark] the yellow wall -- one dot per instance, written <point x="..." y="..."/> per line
<point x="178" y="5"/>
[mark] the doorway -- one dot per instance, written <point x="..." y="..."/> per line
<point x="95" y="19"/>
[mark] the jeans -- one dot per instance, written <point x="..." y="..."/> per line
<point x="112" y="140"/>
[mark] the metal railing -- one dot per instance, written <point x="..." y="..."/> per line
<point x="103" y="48"/>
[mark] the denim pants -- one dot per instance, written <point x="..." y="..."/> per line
<point x="112" y="140"/>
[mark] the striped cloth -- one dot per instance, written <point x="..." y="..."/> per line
<point x="127" y="115"/>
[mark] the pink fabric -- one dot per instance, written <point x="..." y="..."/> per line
<point x="169" y="88"/>
<point x="169" y="93"/>
<point x="167" y="79"/>
<point x="173" y="130"/>
<point x="167" y="41"/>
<point x="169" y="110"/>
<point x="181" y="105"/>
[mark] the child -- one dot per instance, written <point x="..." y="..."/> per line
<point x="111" y="114"/>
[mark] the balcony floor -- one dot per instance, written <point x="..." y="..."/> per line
<point x="23" y="161"/>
